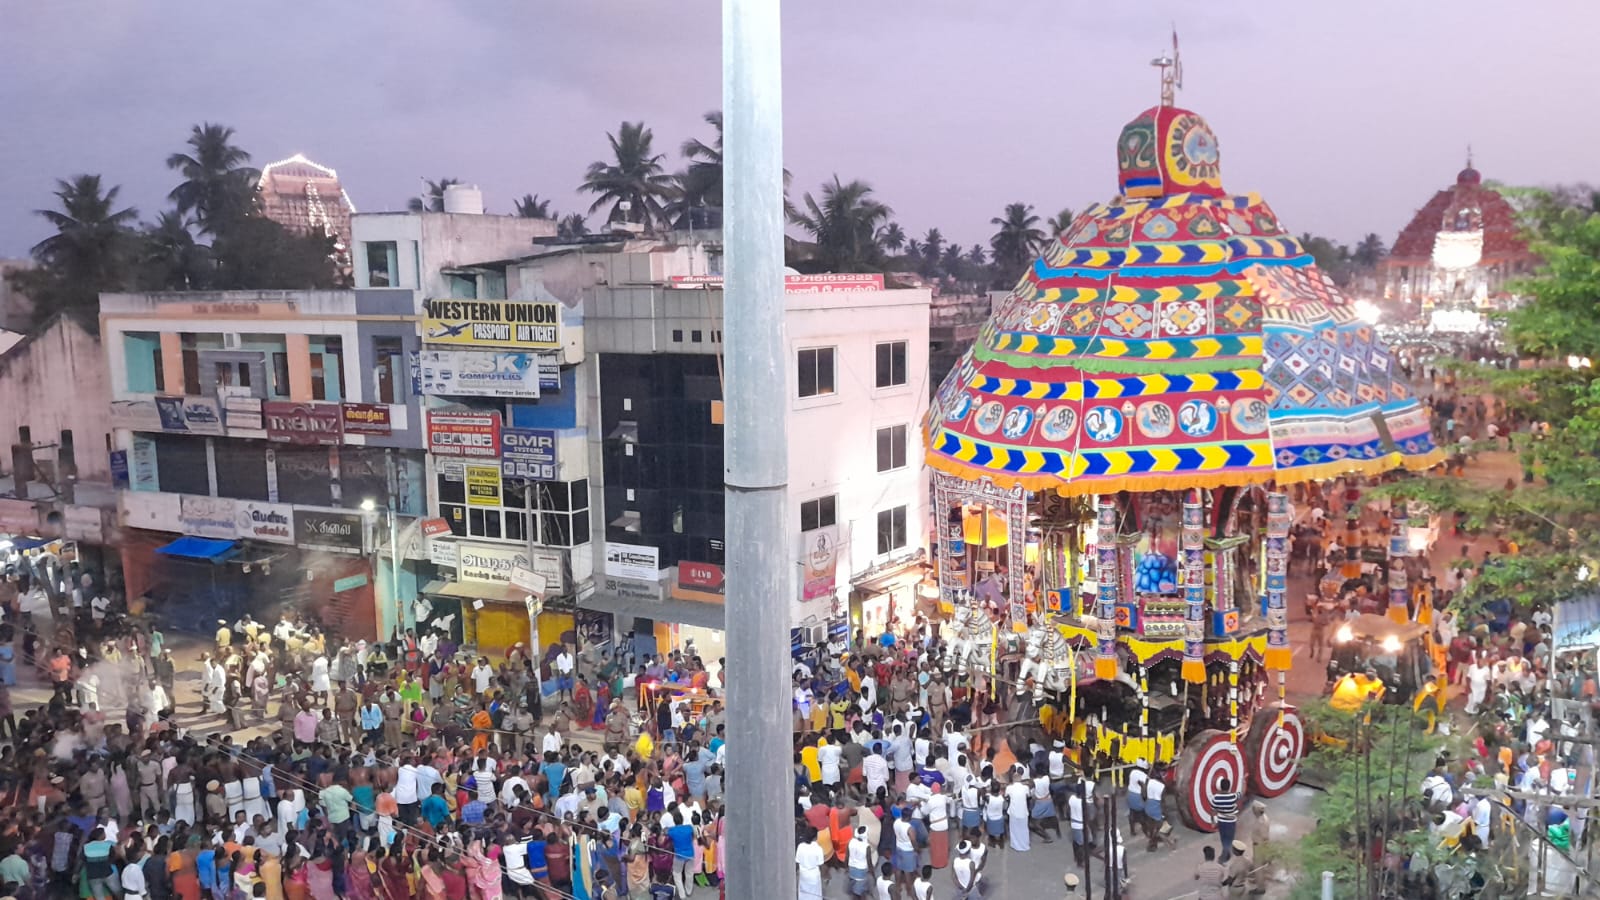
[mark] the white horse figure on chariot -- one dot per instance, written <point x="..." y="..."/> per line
<point x="1047" y="658"/>
<point x="972" y="648"/>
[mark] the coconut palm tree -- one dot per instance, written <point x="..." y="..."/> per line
<point x="845" y="226"/>
<point x="932" y="252"/>
<point x="433" y="199"/>
<point x="976" y="255"/>
<point x="572" y="226"/>
<point x="1369" y="252"/>
<point x="217" y="186"/>
<point x="1062" y="221"/>
<point x="892" y="237"/>
<point x="89" y="252"/>
<point x="531" y="207"/>
<point x="169" y="257"/>
<point x="702" y="180"/>
<point x="633" y="183"/>
<point x="1017" y="241"/>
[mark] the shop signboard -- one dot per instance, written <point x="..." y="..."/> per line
<point x="481" y="373"/>
<point x="119" y="469"/>
<point x="526" y="579"/>
<point x="826" y="283"/>
<point x="135" y="415"/>
<point x="333" y="532"/>
<point x="240" y="410"/>
<point x="528" y="453"/>
<point x="490" y="562"/>
<point x="512" y="324"/>
<point x="633" y="561"/>
<point x="303" y="423"/>
<point x="549" y="373"/>
<point x="434" y="527"/>
<point x="819" y="562"/>
<point x="632" y="589"/>
<point x="142" y="464"/>
<point x="475" y="435"/>
<point x="207" y="517"/>
<point x="83" y="523"/>
<point x="483" y="485"/>
<point x="699" y="581"/>
<point x="367" y="418"/>
<point x="443" y="553"/>
<point x="152" y="511"/>
<point x="269" y="522"/>
<point x="189" y="415"/>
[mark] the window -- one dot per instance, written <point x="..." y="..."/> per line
<point x="816" y="372"/>
<point x="891" y="448"/>
<point x="142" y="353"/>
<point x="696" y="336"/>
<point x="383" y="264"/>
<point x="463" y="287"/>
<point x="280" y="374"/>
<point x="891" y="530"/>
<point x="232" y="374"/>
<point x="327" y="367"/>
<point x="819" y="513"/>
<point x="387" y="353"/>
<point x="191" y="362"/>
<point x="891" y="364"/>
<point x="677" y="335"/>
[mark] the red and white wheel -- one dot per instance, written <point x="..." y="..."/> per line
<point x="1211" y="758"/>
<point x="1274" y="748"/>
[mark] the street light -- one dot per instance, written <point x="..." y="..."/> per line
<point x="370" y="505"/>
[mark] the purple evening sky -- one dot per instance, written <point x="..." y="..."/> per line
<point x="1345" y="116"/>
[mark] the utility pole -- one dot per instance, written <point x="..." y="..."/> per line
<point x="761" y="566"/>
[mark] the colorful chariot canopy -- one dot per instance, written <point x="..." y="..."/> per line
<point x="1176" y="337"/>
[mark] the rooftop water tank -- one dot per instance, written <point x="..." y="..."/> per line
<point x="463" y="198"/>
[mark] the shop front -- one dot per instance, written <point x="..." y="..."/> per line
<point x="493" y="613"/>
<point x="887" y="599"/>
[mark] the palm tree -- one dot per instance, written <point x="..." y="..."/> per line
<point x="1062" y="221"/>
<point x="932" y="252"/>
<point x="531" y="207"/>
<point x="1018" y="240"/>
<point x="845" y="226"/>
<point x="169" y="257"/>
<point x="976" y="255"/>
<point x="433" y="200"/>
<point x="217" y="186"/>
<point x="913" y="248"/>
<point x="1369" y="252"/>
<point x="892" y="237"/>
<point x="633" y="184"/>
<point x="572" y="226"/>
<point x="88" y="253"/>
<point x="702" y="181"/>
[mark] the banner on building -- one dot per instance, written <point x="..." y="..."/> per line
<point x="633" y="561"/>
<point x="303" y="423"/>
<point x="269" y="522"/>
<point x="207" y="517"/>
<point x="240" y="409"/>
<point x="142" y="464"/>
<point x="528" y="453"/>
<point x="481" y="373"/>
<point x="334" y="532"/>
<point x="491" y="562"/>
<point x="699" y="581"/>
<point x="475" y="435"/>
<point x="119" y="469"/>
<point x="434" y="527"/>
<point x="825" y="283"/>
<point x="516" y="324"/>
<point x="549" y="373"/>
<point x="135" y="415"/>
<point x="483" y="486"/>
<point x="189" y="415"/>
<point x="819" y="562"/>
<point x="367" y="418"/>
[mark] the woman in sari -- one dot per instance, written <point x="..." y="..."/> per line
<point x="419" y="723"/>
<point x="482" y="723"/>
<point x="185" y="873"/>
<point x="392" y="875"/>
<point x="430" y="880"/>
<point x="297" y="877"/>
<point x="483" y="871"/>
<point x="455" y="881"/>
<point x="582" y="705"/>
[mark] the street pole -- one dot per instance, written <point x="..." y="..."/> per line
<point x="394" y="571"/>
<point x="761" y="567"/>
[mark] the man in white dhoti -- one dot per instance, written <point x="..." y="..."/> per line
<point x="808" y="860"/>
<point x="216" y="685"/>
<point x="1478" y="676"/>
<point x="1017" y="808"/>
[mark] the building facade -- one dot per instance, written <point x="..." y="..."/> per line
<point x="271" y="444"/>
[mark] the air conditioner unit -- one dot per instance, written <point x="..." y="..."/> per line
<point x="230" y="341"/>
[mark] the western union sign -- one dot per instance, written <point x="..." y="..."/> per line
<point x="533" y="325"/>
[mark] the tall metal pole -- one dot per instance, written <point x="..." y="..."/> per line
<point x="761" y="568"/>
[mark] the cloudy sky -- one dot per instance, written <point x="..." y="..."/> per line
<point x="1345" y="116"/>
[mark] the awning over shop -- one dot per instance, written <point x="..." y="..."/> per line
<point x="188" y="547"/>
<point x="28" y="543"/>
<point x="494" y="592"/>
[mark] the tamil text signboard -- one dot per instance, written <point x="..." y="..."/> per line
<point x="367" y="418"/>
<point x="333" y="532"/>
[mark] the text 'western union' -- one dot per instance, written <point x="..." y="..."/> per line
<point x="481" y="311"/>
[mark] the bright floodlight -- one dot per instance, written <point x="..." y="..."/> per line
<point x="369" y="504"/>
